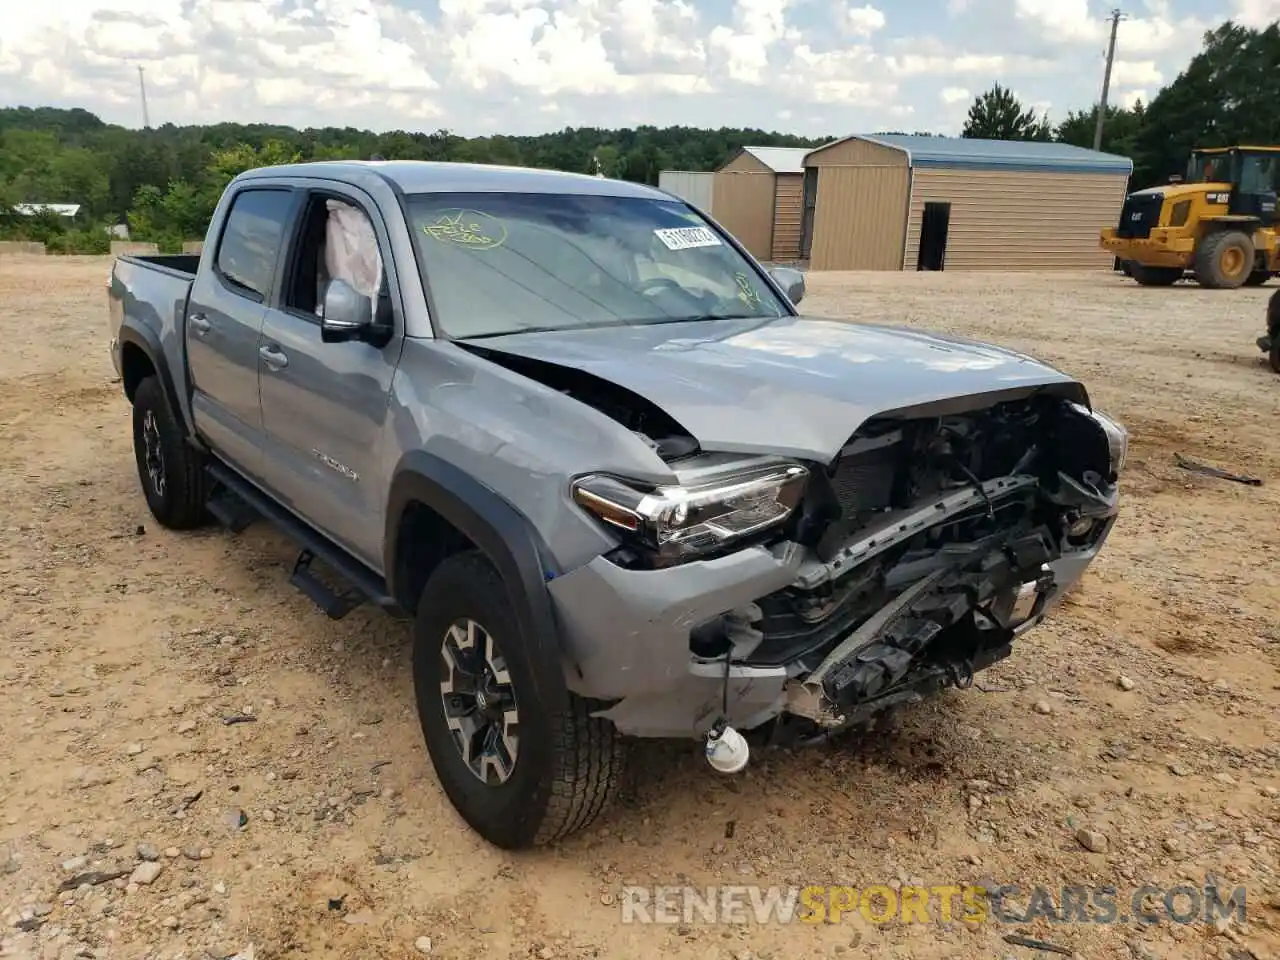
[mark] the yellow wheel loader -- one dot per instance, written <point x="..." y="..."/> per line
<point x="1219" y="223"/>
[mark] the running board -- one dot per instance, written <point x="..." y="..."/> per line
<point x="334" y="604"/>
<point x="364" y="585"/>
<point x="231" y="511"/>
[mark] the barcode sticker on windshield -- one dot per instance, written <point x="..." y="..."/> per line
<point x="685" y="238"/>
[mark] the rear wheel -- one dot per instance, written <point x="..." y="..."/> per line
<point x="1155" y="276"/>
<point x="1225" y="260"/>
<point x="521" y="774"/>
<point x="170" y="469"/>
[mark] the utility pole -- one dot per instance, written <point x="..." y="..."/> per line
<point x="142" y="87"/>
<point x="1115" y="18"/>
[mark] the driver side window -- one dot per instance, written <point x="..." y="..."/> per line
<point x="337" y="242"/>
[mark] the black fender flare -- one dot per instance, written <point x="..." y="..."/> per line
<point x="148" y="341"/>
<point x="505" y="536"/>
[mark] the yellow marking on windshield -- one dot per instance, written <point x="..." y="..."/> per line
<point x="468" y="228"/>
<point x="746" y="292"/>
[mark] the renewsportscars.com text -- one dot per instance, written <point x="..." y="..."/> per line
<point x="879" y="904"/>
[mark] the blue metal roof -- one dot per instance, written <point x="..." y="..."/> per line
<point x="1014" y="155"/>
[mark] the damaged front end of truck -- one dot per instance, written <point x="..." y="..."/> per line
<point x="914" y="558"/>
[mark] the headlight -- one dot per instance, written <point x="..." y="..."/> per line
<point x="1117" y="441"/>
<point x="1117" y="436"/>
<point x="684" y="521"/>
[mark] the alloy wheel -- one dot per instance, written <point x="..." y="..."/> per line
<point x="479" y="701"/>
<point x="153" y="453"/>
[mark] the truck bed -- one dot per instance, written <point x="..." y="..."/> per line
<point x="152" y="292"/>
<point x="184" y="264"/>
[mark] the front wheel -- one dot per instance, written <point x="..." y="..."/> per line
<point x="1225" y="260"/>
<point x="519" y="773"/>
<point x="170" y="469"/>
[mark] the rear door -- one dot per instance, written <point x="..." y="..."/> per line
<point x="325" y="405"/>
<point x="224" y="322"/>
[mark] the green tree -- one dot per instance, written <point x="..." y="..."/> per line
<point x="999" y="115"/>
<point x="1228" y="94"/>
<point x="1119" y="131"/>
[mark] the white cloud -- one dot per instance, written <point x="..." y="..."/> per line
<point x="861" y="21"/>
<point x="1135" y="73"/>
<point x="743" y="48"/>
<point x="483" y="66"/>
<point x="1257" y="13"/>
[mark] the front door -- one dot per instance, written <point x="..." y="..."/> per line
<point x="324" y="405"/>
<point x="224" y="319"/>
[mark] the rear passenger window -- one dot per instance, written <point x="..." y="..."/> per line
<point x="251" y="240"/>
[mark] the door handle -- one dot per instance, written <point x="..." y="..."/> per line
<point x="273" y="358"/>
<point x="199" y="323"/>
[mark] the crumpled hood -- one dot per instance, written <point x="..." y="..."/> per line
<point x="793" y="386"/>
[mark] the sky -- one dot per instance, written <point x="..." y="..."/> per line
<point x="812" y="67"/>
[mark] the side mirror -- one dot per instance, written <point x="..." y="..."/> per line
<point x="348" y="314"/>
<point x="791" y="281"/>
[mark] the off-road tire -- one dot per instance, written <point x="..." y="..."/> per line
<point x="1224" y="260"/>
<point x="1258" y="278"/>
<point x="1154" y="276"/>
<point x="180" y="502"/>
<point x="568" y="764"/>
<point x="1274" y="356"/>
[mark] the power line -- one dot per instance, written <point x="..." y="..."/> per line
<point x="142" y="87"/>
<point x="1115" y="18"/>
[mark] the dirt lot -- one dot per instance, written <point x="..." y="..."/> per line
<point x="1145" y="713"/>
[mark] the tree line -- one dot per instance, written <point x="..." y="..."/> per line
<point x="164" y="182"/>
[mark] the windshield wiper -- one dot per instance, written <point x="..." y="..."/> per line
<point x="698" y="318"/>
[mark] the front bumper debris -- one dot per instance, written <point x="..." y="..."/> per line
<point x="879" y="664"/>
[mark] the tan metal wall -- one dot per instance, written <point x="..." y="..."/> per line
<point x="696" y="187"/>
<point x="855" y="153"/>
<point x="743" y="205"/>
<point x="1017" y="221"/>
<point x="744" y="163"/>
<point x="860" y="217"/>
<point x="788" y="205"/>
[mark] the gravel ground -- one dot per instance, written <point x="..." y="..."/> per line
<point x="1140" y="722"/>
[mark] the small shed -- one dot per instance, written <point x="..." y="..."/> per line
<point x="899" y="202"/>
<point x="758" y="194"/>
<point x="691" y="185"/>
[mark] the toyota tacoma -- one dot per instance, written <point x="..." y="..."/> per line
<point x="589" y="447"/>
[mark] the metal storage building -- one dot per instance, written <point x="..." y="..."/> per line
<point x="758" y="194"/>
<point x="897" y="202"/>
<point x="694" y="186"/>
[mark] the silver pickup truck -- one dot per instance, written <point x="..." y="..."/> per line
<point x="577" y="435"/>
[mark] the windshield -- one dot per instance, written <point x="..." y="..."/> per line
<point x="1257" y="172"/>
<point x="1209" y="168"/>
<point x="501" y="263"/>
